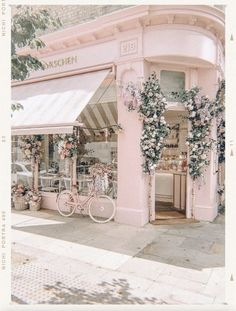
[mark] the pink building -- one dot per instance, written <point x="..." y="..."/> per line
<point x="87" y="68"/>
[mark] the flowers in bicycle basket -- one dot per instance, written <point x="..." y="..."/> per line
<point x="33" y="196"/>
<point x="67" y="145"/>
<point x="101" y="173"/>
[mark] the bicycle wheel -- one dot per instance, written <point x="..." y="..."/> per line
<point x="101" y="209"/>
<point x="66" y="203"/>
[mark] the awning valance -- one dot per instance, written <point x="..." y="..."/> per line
<point x="53" y="106"/>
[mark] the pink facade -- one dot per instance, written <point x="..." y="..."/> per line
<point x="133" y="43"/>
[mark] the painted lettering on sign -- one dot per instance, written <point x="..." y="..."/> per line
<point x="129" y="47"/>
<point x="60" y="62"/>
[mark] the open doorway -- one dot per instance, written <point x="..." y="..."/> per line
<point x="171" y="177"/>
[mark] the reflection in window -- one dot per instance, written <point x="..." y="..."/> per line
<point x="172" y="81"/>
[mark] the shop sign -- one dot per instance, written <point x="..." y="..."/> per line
<point x="60" y="62"/>
<point x="129" y="47"/>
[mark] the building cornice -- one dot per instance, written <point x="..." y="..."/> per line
<point x="109" y="26"/>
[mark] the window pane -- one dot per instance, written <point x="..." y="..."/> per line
<point x="172" y="81"/>
<point x="21" y="169"/>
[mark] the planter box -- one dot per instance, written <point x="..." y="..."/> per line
<point x="34" y="206"/>
<point x="20" y="204"/>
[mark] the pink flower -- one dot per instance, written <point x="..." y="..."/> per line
<point x="68" y="145"/>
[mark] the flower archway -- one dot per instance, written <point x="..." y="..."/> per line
<point x="151" y="104"/>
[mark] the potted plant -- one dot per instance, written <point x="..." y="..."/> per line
<point x="18" y="194"/>
<point x="34" y="198"/>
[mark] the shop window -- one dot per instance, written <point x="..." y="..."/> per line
<point x="172" y="81"/>
<point x="55" y="173"/>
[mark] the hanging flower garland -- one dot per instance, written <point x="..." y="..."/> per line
<point x="200" y="114"/>
<point x="219" y="111"/>
<point x="221" y="141"/>
<point x="155" y="129"/>
<point x="220" y="99"/>
<point x="67" y="144"/>
<point x="131" y="96"/>
<point x="31" y="147"/>
<point x="150" y="104"/>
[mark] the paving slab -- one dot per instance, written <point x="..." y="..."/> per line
<point x="199" y="244"/>
<point x="201" y="275"/>
<point x="142" y="268"/>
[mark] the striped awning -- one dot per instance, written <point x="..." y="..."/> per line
<point x="101" y="112"/>
<point x="54" y="106"/>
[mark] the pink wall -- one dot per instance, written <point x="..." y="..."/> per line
<point x="131" y="202"/>
<point x="206" y="191"/>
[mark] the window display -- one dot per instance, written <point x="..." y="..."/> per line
<point x="55" y="171"/>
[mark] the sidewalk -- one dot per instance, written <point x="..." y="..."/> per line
<point x="58" y="260"/>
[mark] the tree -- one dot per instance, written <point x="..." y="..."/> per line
<point x="25" y="26"/>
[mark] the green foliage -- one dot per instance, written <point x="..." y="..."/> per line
<point x="26" y="23"/>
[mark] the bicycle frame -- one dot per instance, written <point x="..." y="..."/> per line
<point x="81" y="204"/>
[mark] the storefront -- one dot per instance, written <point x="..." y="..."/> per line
<point x="87" y="69"/>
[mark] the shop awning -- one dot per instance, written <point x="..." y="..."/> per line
<point x="53" y="106"/>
